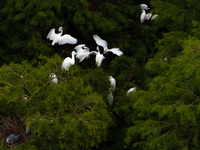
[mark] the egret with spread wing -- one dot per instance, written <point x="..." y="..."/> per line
<point x="100" y="42"/>
<point x="58" y="38"/>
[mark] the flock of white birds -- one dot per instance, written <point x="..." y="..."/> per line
<point x="83" y="52"/>
<point x="146" y="16"/>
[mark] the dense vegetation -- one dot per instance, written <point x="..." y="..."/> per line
<point x="161" y="58"/>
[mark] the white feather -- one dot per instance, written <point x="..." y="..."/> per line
<point x="68" y="62"/>
<point x="115" y="51"/>
<point x="154" y="17"/>
<point x="100" y="42"/>
<point x="142" y="16"/>
<point x="144" y="7"/>
<point x="57" y="38"/>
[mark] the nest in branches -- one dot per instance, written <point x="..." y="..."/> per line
<point x="12" y="125"/>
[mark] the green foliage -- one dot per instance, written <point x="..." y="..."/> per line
<point x="166" y="116"/>
<point x="161" y="59"/>
<point x="69" y="115"/>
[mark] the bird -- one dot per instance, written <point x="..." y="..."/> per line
<point x="148" y="16"/>
<point x="58" y="38"/>
<point x="53" y="78"/>
<point x="144" y="7"/>
<point x="154" y="17"/>
<point x="115" y="51"/>
<point x="100" y="42"/>
<point x="12" y="138"/>
<point x="112" y="83"/>
<point x="66" y="64"/>
<point x="110" y="98"/>
<point x="81" y="48"/>
<point x="99" y="57"/>
<point x="142" y="16"/>
<point x="133" y="89"/>
<point x="83" y="52"/>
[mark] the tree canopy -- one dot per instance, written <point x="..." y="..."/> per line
<point x="160" y="58"/>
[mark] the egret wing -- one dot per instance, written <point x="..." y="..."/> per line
<point x="51" y="34"/>
<point x="144" y="7"/>
<point x="78" y="48"/>
<point x="82" y="55"/>
<point x="93" y="53"/>
<point x="148" y="16"/>
<point x="100" y="41"/>
<point x="67" y="39"/>
<point x="154" y="17"/>
<point x="115" y="51"/>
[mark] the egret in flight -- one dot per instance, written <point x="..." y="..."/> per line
<point x="83" y="52"/>
<point x="100" y="42"/>
<point x="81" y="48"/>
<point x="68" y="62"/>
<point x="59" y="38"/>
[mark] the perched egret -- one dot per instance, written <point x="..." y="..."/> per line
<point x="100" y="42"/>
<point x="144" y="7"/>
<point x="148" y="16"/>
<point x="154" y="17"/>
<point x="58" y="38"/>
<point x="68" y="62"/>
<point x="99" y="57"/>
<point x="131" y="90"/>
<point x="12" y="138"/>
<point x="110" y="99"/>
<point x="142" y="16"/>
<point x="53" y="78"/>
<point x="112" y="83"/>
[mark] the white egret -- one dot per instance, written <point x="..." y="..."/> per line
<point x="144" y="7"/>
<point x="142" y="16"/>
<point x="154" y="17"/>
<point x="148" y="16"/>
<point x="68" y="61"/>
<point x="112" y="83"/>
<point x="53" y="78"/>
<point x="12" y="138"/>
<point x="81" y="48"/>
<point x="110" y="99"/>
<point x="133" y="89"/>
<point x="85" y="54"/>
<point x="58" y="38"/>
<point x="100" y="42"/>
<point x="99" y="57"/>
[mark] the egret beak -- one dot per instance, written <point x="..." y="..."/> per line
<point x="107" y="76"/>
<point x="104" y="50"/>
<point x="63" y="28"/>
